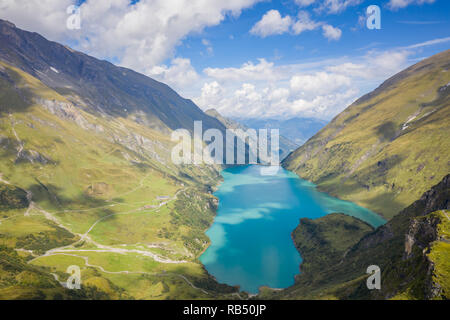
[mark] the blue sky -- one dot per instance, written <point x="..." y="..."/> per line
<point x="402" y="27"/>
<point x="250" y="58"/>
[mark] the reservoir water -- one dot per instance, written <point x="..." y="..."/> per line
<point x="251" y="243"/>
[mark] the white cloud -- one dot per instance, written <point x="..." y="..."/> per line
<point x="211" y="95"/>
<point x="321" y="89"/>
<point x="179" y="74"/>
<point x="398" y="4"/>
<point x="331" y="33"/>
<point x="249" y="71"/>
<point x="374" y="66"/>
<point x="428" y="43"/>
<point x="251" y="100"/>
<point x="144" y="35"/>
<point x="47" y="17"/>
<point x="304" y="23"/>
<point x="321" y="105"/>
<point x="208" y="45"/>
<point x="139" y="36"/>
<point x="271" y="23"/>
<point x="337" y="6"/>
<point x="318" y="94"/>
<point x="304" y="3"/>
<point x="319" y="83"/>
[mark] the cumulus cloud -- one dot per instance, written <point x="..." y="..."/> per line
<point x="144" y="35"/>
<point x="179" y="74"/>
<point x="319" y="90"/>
<point x="47" y="17"/>
<point x="271" y="23"/>
<point x="331" y="33"/>
<point x="211" y="95"/>
<point x="304" y="23"/>
<point x="399" y="4"/>
<point x="319" y="83"/>
<point x="249" y="71"/>
<point x="139" y="36"/>
<point x="317" y="94"/>
<point x="252" y="100"/>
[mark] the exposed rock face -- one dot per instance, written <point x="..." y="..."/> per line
<point x="67" y="111"/>
<point x="32" y="156"/>
<point x="422" y="232"/>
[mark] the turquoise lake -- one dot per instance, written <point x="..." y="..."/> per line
<point x="251" y="243"/>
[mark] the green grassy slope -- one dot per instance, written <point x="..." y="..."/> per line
<point x="388" y="147"/>
<point x="322" y="243"/>
<point x="332" y="235"/>
<point x="99" y="192"/>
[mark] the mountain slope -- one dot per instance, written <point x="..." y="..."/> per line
<point x="388" y="147"/>
<point x="99" y="86"/>
<point x="97" y="188"/>
<point x="83" y="183"/>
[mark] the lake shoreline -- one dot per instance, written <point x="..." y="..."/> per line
<point x="251" y="243"/>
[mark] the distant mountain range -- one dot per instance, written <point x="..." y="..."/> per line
<point x="298" y="130"/>
<point x="286" y="146"/>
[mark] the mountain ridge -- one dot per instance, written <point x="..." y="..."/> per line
<point x="98" y="85"/>
<point x="296" y="129"/>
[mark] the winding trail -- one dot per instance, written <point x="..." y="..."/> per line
<point x="85" y="237"/>
<point x="70" y="250"/>
<point x="104" y="248"/>
<point x="86" y="261"/>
